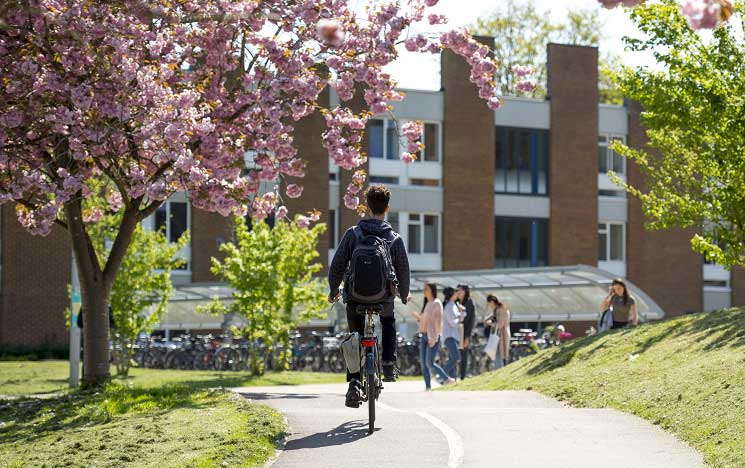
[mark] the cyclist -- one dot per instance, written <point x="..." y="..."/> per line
<point x="377" y="198"/>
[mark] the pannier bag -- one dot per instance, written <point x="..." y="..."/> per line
<point x="352" y="352"/>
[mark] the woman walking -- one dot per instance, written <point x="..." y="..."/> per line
<point x="621" y="305"/>
<point x="451" y="331"/>
<point x="499" y="322"/>
<point x="430" y="326"/>
<point x="469" y="321"/>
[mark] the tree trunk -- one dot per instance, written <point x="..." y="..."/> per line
<point x="95" y="287"/>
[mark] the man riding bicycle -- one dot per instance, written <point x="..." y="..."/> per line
<point x="355" y="266"/>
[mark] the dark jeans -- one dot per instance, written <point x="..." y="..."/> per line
<point x="464" y="361"/>
<point x="356" y="323"/>
<point x="619" y="324"/>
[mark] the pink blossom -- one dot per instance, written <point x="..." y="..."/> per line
<point x="522" y="70"/>
<point x="408" y="158"/>
<point x="706" y="14"/>
<point x="281" y="212"/>
<point x="303" y="222"/>
<point x="351" y="202"/>
<point x="525" y="86"/>
<point x="353" y="188"/>
<point x="294" y="190"/>
<point x="115" y="200"/>
<point x="92" y="216"/>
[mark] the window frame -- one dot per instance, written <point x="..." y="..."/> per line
<point x="150" y="223"/>
<point x="608" y="138"/>
<point x="438" y="154"/>
<point x="512" y="134"/>
<point x="606" y="229"/>
<point x="387" y="124"/>
<point x="420" y="222"/>
<point x="534" y="247"/>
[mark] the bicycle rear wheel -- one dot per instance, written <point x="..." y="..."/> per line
<point x="372" y="391"/>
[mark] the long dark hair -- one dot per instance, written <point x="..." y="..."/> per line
<point x="620" y="282"/>
<point x="494" y="299"/>
<point x="433" y="289"/>
<point x="466" y="293"/>
<point x="448" y="294"/>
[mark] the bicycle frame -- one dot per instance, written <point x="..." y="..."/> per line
<point x="371" y="381"/>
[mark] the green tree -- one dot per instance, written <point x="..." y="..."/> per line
<point x="142" y="288"/>
<point x="694" y="113"/>
<point x="272" y="273"/>
<point x="522" y="33"/>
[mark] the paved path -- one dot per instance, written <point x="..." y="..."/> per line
<point x="463" y="429"/>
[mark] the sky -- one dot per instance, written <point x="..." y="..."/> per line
<point x="421" y="71"/>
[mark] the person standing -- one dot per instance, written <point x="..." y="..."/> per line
<point x="430" y="327"/>
<point x="469" y="321"/>
<point x="499" y="322"/>
<point x="621" y="305"/>
<point x="450" y="331"/>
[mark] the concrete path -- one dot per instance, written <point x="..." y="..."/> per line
<point x="463" y="429"/>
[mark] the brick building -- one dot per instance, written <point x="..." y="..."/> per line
<point x="524" y="186"/>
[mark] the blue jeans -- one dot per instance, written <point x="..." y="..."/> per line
<point x="423" y="344"/>
<point x="453" y="356"/>
<point x="432" y="367"/>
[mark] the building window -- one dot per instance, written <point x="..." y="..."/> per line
<point x="172" y="219"/>
<point x="521" y="161"/>
<point x="332" y="177"/>
<point x="269" y="220"/>
<point x="333" y="238"/>
<point x="521" y="242"/>
<point x="609" y="160"/>
<point x="383" y="139"/>
<point x="611" y="242"/>
<point x="423" y="233"/>
<point x="425" y="182"/>
<point x="383" y="180"/>
<point x="431" y="143"/>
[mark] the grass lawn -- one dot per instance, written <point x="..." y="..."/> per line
<point x="686" y="375"/>
<point x="154" y="418"/>
<point x="38" y="377"/>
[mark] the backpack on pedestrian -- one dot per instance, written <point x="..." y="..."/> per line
<point x="371" y="278"/>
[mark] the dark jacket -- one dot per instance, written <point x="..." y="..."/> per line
<point x="469" y="321"/>
<point x="343" y="255"/>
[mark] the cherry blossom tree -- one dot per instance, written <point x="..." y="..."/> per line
<point x="164" y="96"/>
<point x="700" y="14"/>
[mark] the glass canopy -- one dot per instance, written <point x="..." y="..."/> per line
<point x="546" y="294"/>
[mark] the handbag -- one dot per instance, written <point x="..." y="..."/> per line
<point x="492" y="346"/>
<point x="606" y="321"/>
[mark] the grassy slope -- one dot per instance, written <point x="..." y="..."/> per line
<point x="36" y="377"/>
<point x="685" y="374"/>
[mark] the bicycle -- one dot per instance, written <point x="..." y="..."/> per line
<point x="372" y="384"/>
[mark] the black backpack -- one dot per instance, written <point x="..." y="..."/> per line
<point x="370" y="278"/>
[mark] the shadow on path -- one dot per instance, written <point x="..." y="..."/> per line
<point x="346" y="433"/>
<point x="277" y="396"/>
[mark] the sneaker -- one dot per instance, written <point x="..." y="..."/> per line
<point x="389" y="373"/>
<point x="353" y="399"/>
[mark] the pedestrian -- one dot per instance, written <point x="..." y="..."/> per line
<point x="499" y="323"/>
<point x="450" y="331"/>
<point x="430" y="327"/>
<point x="469" y="321"/>
<point x="621" y="305"/>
